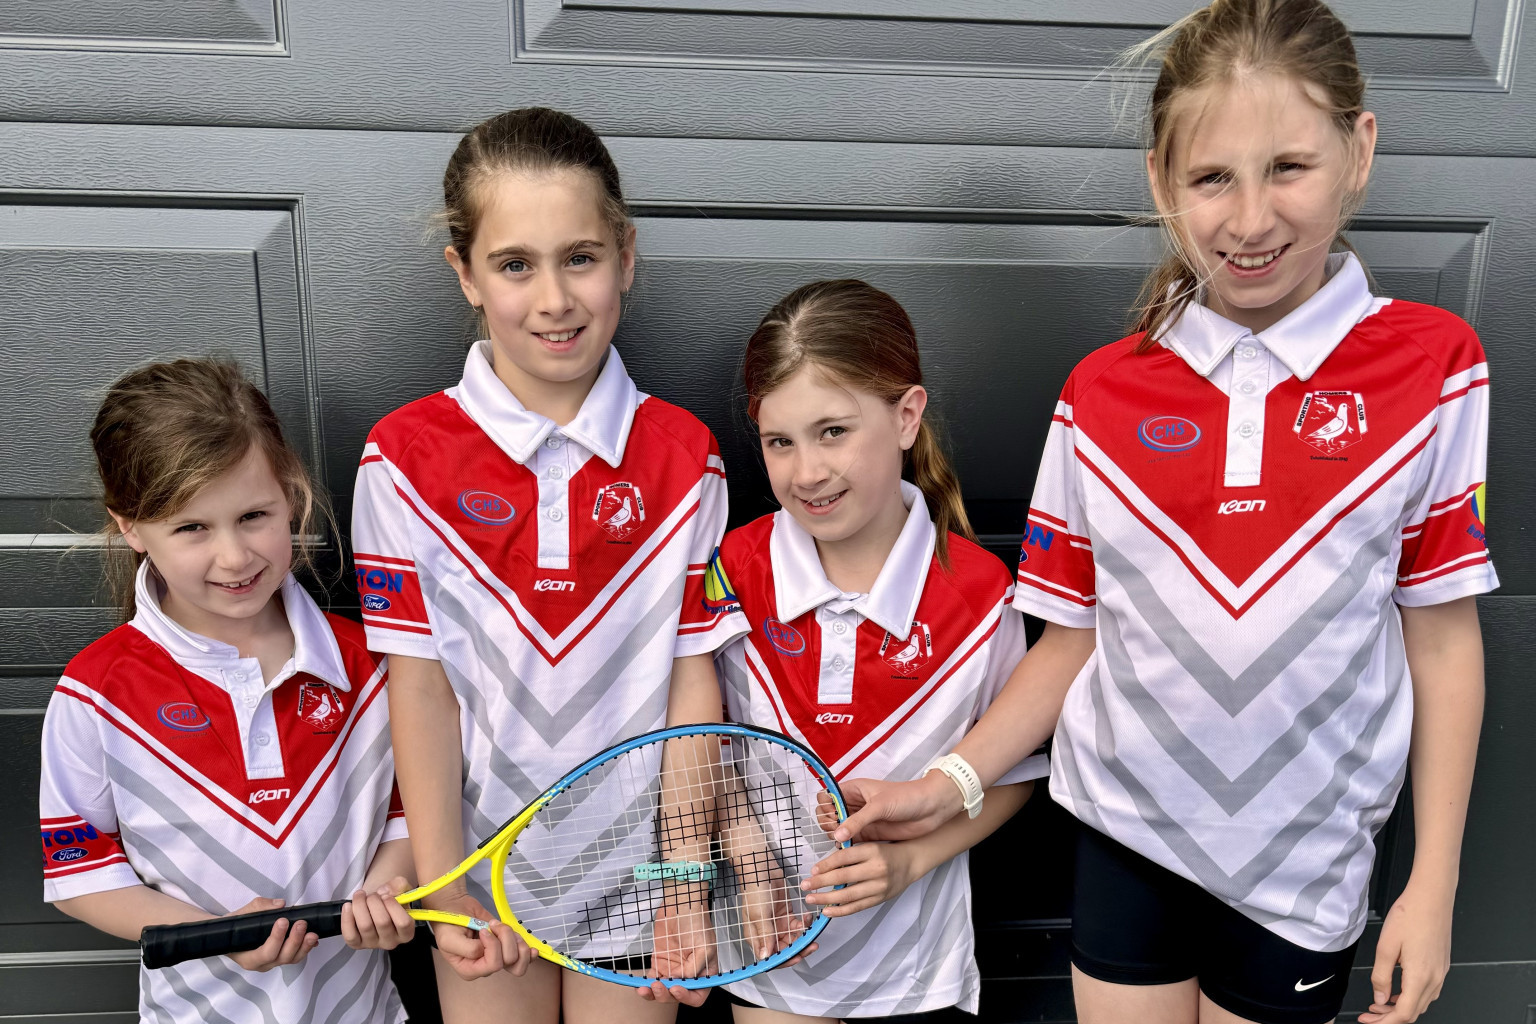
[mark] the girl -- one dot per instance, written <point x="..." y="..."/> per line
<point x="531" y="544"/>
<point x="227" y="749"/>
<point x="1262" y="515"/>
<point x="879" y="632"/>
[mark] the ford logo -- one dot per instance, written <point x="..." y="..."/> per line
<point x="784" y="637"/>
<point x="67" y="854"/>
<point x="485" y="507"/>
<point x="1168" y="433"/>
<point x="375" y="603"/>
<point x="183" y="717"/>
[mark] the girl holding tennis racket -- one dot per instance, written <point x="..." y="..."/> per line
<point x="879" y="632"/>
<point x="227" y="749"/>
<point x="1257" y="535"/>
<point x="531" y="546"/>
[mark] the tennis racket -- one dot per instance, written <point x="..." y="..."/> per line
<point x="677" y="855"/>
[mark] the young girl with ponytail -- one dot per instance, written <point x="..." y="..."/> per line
<point x="879" y="632"/>
<point x="1256" y="537"/>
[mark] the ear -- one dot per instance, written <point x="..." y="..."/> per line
<point x="909" y="415"/>
<point x="129" y="531"/>
<point x="1365" y="141"/>
<point x="627" y="258"/>
<point x="466" y="279"/>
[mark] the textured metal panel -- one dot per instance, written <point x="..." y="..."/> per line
<point x="206" y="26"/>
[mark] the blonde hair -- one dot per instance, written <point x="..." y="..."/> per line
<point x="862" y="338"/>
<point x="1230" y="39"/>
<point x="164" y="432"/>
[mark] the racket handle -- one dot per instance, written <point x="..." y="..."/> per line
<point x="165" y="944"/>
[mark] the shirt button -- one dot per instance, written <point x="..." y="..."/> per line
<point x="555" y="472"/>
<point x="553" y="441"/>
<point x="1249" y="352"/>
<point x="263" y="739"/>
<point x="250" y="701"/>
<point x="1249" y="387"/>
<point x="839" y="628"/>
<point x="1246" y="430"/>
<point x="837" y="664"/>
<point x="555" y="515"/>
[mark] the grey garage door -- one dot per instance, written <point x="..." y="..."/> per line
<point x="257" y="177"/>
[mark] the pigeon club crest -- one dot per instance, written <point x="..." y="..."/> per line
<point x="619" y="509"/>
<point x="1331" y="421"/>
<point x="906" y="658"/>
<point x="320" y="705"/>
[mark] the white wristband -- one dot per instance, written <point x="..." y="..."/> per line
<point x="963" y="775"/>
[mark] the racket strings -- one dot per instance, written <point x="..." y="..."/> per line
<point x="680" y="859"/>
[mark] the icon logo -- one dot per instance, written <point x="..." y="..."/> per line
<point x="833" y="718"/>
<point x="261" y="796"/>
<point x="1302" y="988"/>
<point x="375" y="603"/>
<point x="784" y="637"/>
<point x="1226" y="508"/>
<point x="908" y="654"/>
<point x="619" y="509"/>
<point x="1168" y="433"/>
<point x="1331" y="421"/>
<point x="555" y="585"/>
<point x="183" y="717"/>
<point x="320" y="705"/>
<point x="719" y="598"/>
<point x="487" y="508"/>
<point x="69" y="853"/>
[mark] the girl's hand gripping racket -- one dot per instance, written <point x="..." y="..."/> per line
<point x="677" y="855"/>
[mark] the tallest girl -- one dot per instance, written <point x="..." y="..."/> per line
<point x="1256" y="537"/>
<point x="531" y="545"/>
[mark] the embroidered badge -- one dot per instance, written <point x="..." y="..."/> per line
<point x="619" y="509"/>
<point x="907" y="658"/>
<point x="1331" y="421"/>
<point x="320" y="705"/>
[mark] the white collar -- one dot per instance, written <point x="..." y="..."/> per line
<point x="315" y="650"/>
<point x="1301" y="340"/>
<point x="601" y="425"/>
<point x="801" y="584"/>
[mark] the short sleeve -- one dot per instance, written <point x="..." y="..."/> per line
<point x="711" y="615"/>
<point x="82" y="850"/>
<point x="395" y="617"/>
<point x="1055" y="575"/>
<point x="1004" y="652"/>
<point x="1445" y="542"/>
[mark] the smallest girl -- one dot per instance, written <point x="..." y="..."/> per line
<point x="227" y="749"/>
<point x="879" y="632"/>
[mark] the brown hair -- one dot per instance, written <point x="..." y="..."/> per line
<point x="167" y="430"/>
<point x="528" y="139"/>
<point x="1230" y="39"/>
<point x="863" y="338"/>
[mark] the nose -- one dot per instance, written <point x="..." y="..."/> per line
<point x="1250" y="212"/>
<point x="811" y="469"/>
<point x="552" y="297"/>
<point x="230" y="551"/>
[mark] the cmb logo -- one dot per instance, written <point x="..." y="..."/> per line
<point x="786" y="639"/>
<point x="1168" y="433"/>
<point x="183" y="717"/>
<point x="487" y="508"/>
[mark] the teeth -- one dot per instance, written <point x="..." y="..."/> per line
<point x="1250" y="262"/>
<point x="561" y="336"/>
<point x="242" y="583"/>
<point x="824" y="502"/>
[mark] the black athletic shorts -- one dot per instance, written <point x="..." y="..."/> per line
<point x="948" y="1015"/>
<point x="1136" y="923"/>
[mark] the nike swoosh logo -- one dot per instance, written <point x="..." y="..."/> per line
<point x="1302" y="988"/>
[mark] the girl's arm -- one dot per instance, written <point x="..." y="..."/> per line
<point x="694" y="696"/>
<point x="424" y="728"/>
<point x="1019" y="720"/>
<point x="1445" y="661"/>
<point x="128" y="911"/>
<point x="876" y="872"/>
<point x="375" y="919"/>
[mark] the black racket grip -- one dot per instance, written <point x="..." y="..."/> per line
<point x="162" y="945"/>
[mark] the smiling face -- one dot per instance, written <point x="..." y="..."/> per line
<point x="834" y="456"/>
<point x="225" y="553"/>
<point x="548" y="274"/>
<point x="1256" y="185"/>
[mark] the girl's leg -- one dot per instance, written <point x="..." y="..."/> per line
<point x="590" y="1001"/>
<point x="532" y="999"/>
<point x="1100" y="1002"/>
<point x="1210" y="1013"/>
<point x="759" y="1015"/>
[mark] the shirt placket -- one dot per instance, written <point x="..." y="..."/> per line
<point x="1246" y="397"/>
<point x="554" y="463"/>
<point x="251" y="698"/>
<point x="839" y="640"/>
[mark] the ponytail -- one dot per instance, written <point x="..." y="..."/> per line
<point x="931" y="472"/>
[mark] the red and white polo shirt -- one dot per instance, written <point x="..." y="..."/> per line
<point x="878" y="684"/>
<point x="1239" y="516"/>
<point x="555" y="571"/>
<point x="167" y="761"/>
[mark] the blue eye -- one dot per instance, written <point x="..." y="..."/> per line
<point x="514" y="266"/>
<point x="582" y="259"/>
